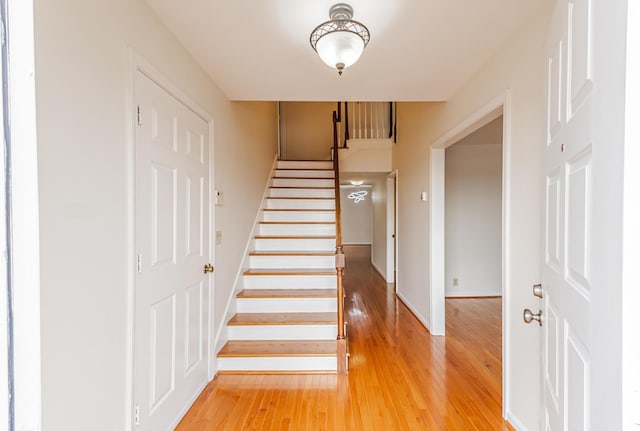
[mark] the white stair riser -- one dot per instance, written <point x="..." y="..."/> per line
<point x="302" y="193"/>
<point x="299" y="216"/>
<point x="287" y="305"/>
<point x="274" y="363"/>
<point x="290" y="282"/>
<point x="301" y="204"/>
<point x="301" y="244"/>
<point x="283" y="332"/>
<point x="301" y="173"/>
<point x="293" y="262"/>
<point x="297" y="229"/>
<point x="305" y="164"/>
<point x="302" y="182"/>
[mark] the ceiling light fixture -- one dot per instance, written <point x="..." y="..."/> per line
<point x="340" y="41"/>
<point x="358" y="196"/>
<point x="356" y="182"/>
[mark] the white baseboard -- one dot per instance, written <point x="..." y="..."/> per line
<point x="416" y="313"/>
<point x="515" y="422"/>
<point x="379" y="271"/>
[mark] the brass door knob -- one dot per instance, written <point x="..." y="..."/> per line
<point x="208" y="268"/>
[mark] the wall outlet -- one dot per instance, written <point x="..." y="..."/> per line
<point x="455" y="282"/>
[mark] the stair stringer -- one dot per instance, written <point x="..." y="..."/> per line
<point x="222" y="334"/>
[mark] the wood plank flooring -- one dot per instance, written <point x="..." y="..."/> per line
<point x="401" y="378"/>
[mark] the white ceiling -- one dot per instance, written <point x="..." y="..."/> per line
<point x="420" y="50"/>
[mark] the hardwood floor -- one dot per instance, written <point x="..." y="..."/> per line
<point x="400" y="378"/>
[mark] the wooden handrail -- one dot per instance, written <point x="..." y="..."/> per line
<point x="340" y="261"/>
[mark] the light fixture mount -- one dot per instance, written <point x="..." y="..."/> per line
<point x="340" y="41"/>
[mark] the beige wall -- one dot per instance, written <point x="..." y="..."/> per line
<point x="306" y="130"/>
<point x="82" y="84"/>
<point x="519" y="67"/>
<point x="473" y="213"/>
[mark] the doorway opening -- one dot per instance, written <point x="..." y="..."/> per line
<point x="497" y="108"/>
<point x="473" y="243"/>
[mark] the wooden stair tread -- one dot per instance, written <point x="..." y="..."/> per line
<point x="301" y="209"/>
<point x="295" y="237"/>
<point x="305" y="160"/>
<point x="290" y="271"/>
<point x="297" y="222"/>
<point x="302" y="187"/>
<point x="250" y="319"/>
<point x="291" y="253"/>
<point x="302" y="178"/>
<point x="237" y="348"/>
<point x="304" y="169"/>
<point x="300" y="197"/>
<point x="287" y="293"/>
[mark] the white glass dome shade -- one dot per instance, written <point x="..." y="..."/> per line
<point x="340" y="49"/>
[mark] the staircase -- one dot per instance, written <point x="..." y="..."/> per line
<point x="286" y="317"/>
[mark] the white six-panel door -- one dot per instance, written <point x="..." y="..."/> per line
<point x="568" y="206"/>
<point x="171" y="289"/>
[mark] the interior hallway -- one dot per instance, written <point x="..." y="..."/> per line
<point x="400" y="377"/>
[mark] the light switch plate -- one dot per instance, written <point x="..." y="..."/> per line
<point x="219" y="198"/>
<point x="218" y="237"/>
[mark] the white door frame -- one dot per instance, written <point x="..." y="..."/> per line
<point x="25" y="230"/>
<point x="500" y="105"/>
<point x="138" y="64"/>
<point x="392" y="227"/>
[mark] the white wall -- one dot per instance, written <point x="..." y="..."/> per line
<point x="473" y="214"/>
<point x="356" y="217"/>
<point x="379" y="225"/>
<point x="519" y="66"/>
<point x="82" y="85"/>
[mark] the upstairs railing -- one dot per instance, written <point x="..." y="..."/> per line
<point x="340" y="260"/>
<point x="369" y="120"/>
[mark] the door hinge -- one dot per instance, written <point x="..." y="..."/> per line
<point x="136" y="415"/>
<point x="139" y="263"/>
<point x="139" y="116"/>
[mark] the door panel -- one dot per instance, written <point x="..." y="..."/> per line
<point x="578" y="208"/>
<point x="577" y="398"/>
<point x="163" y="214"/>
<point x="172" y="231"/>
<point x="195" y="215"/>
<point x="552" y="358"/>
<point x="163" y="350"/>
<point x="579" y="83"/>
<point x="194" y="327"/>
